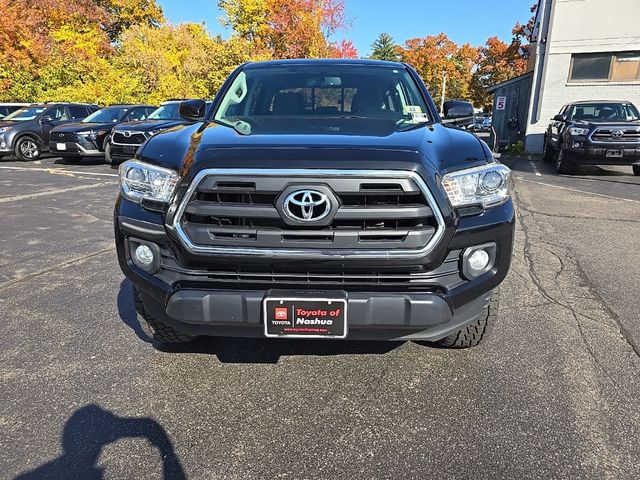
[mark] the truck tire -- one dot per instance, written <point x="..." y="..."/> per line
<point x="636" y="170"/>
<point x="563" y="165"/>
<point x="160" y="331"/>
<point x="472" y="335"/>
<point x="27" y="148"/>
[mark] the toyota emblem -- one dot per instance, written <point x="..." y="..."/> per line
<point x="617" y="133"/>
<point x="306" y="205"/>
<point x="127" y="133"/>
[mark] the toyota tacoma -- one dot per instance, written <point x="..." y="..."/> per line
<point x="594" y="133"/>
<point x="318" y="199"/>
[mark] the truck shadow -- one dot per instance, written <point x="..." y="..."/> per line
<point x="247" y="350"/>
<point x="91" y="428"/>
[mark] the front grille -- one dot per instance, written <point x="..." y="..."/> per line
<point x="134" y="138"/>
<point x="373" y="213"/>
<point x="63" y="137"/>
<point x="629" y="135"/>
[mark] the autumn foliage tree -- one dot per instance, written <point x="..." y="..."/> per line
<point x="289" y="28"/>
<point x="436" y="57"/>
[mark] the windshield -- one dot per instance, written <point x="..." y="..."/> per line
<point x="170" y="111"/>
<point x="27" y="113"/>
<point x="106" y="115"/>
<point x="320" y="98"/>
<point x="610" y="112"/>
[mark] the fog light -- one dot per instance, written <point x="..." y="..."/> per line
<point x="478" y="260"/>
<point x="3" y="145"/>
<point x="577" y="144"/>
<point x="144" y="255"/>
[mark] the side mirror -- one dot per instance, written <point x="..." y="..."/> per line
<point x="193" y="109"/>
<point x="559" y="118"/>
<point x="46" y="119"/>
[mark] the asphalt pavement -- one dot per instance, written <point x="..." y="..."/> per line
<point x="554" y="392"/>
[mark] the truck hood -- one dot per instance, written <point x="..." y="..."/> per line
<point x="347" y="143"/>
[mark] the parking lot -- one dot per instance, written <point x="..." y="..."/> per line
<point x="554" y="392"/>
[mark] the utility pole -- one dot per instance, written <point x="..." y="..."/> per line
<point x="444" y="89"/>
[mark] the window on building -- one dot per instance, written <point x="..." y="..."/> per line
<point x="605" y="67"/>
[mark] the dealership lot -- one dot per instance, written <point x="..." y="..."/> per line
<point x="554" y="392"/>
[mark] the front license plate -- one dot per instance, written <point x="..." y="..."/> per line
<point x="130" y="150"/>
<point x="61" y="146"/>
<point x="614" y="153"/>
<point x="304" y="317"/>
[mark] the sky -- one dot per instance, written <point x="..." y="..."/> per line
<point x="464" y="21"/>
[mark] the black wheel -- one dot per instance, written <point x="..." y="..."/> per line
<point x="27" y="148"/>
<point x="157" y="329"/>
<point x="73" y="160"/>
<point x="547" y="153"/>
<point x="563" y="165"/>
<point x="636" y="170"/>
<point x="472" y="335"/>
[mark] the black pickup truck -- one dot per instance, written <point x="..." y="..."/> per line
<point x="319" y="199"/>
<point x="594" y="133"/>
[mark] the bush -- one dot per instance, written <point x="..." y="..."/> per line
<point x="515" y="148"/>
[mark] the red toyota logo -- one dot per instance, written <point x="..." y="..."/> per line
<point x="282" y="313"/>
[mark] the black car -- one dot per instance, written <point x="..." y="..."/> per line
<point x="319" y="199"/>
<point x="25" y="132"/>
<point x="88" y="138"/>
<point x="594" y="133"/>
<point x="127" y="138"/>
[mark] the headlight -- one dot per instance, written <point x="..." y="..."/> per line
<point x="154" y="132"/>
<point x="578" y="132"/>
<point x="488" y="185"/>
<point x="4" y="129"/>
<point x="143" y="181"/>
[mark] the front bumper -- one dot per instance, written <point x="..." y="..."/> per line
<point x="121" y="152"/>
<point x="199" y="302"/>
<point x="75" y="149"/>
<point x="590" y="154"/>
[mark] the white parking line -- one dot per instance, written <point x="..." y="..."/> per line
<point x="59" y="170"/>
<point x="581" y="191"/>
<point x="51" y="192"/>
<point x="535" y="169"/>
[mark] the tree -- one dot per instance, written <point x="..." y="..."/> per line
<point x="287" y="28"/>
<point x="126" y="13"/>
<point x="498" y="63"/>
<point x="384" y="48"/>
<point x="435" y="57"/>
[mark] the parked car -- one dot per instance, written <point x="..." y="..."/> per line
<point x="486" y="124"/>
<point x="127" y="137"/>
<point x="7" y="108"/>
<point x="594" y="133"/>
<point x="25" y="132"/>
<point x="459" y="113"/>
<point x="88" y="138"/>
<point x="291" y="212"/>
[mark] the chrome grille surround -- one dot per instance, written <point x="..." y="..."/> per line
<point x="307" y="253"/>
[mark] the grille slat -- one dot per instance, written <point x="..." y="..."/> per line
<point x="606" y="135"/>
<point x="232" y="211"/>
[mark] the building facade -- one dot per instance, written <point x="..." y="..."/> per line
<point x="581" y="50"/>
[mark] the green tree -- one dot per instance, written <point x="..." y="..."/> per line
<point x="384" y="48"/>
